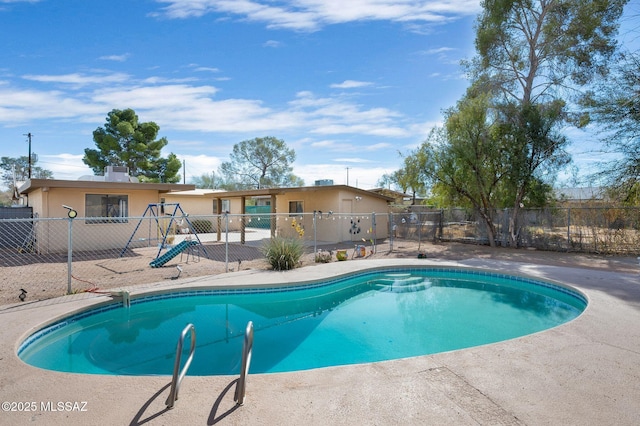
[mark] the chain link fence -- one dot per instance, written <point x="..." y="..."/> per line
<point x="59" y="256"/>
<point x="604" y="230"/>
<point x="63" y="255"/>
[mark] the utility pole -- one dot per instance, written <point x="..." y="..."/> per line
<point x="29" y="138"/>
<point x="184" y="172"/>
<point x="347" y="175"/>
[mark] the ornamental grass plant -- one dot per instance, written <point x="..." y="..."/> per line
<point x="283" y="254"/>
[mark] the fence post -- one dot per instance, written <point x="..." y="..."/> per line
<point x="69" y="253"/>
<point x="315" y="234"/>
<point x="391" y="230"/>
<point x="226" y="241"/>
<point x="374" y="238"/>
<point x="419" y="225"/>
<point x="504" y="224"/>
<point x="568" y="228"/>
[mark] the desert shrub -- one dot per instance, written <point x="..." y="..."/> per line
<point x="323" y="257"/>
<point x="202" y="226"/>
<point x="283" y="253"/>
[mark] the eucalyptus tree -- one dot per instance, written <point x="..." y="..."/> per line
<point x="530" y="54"/>
<point x="14" y="170"/>
<point x="615" y="107"/>
<point x="260" y="163"/>
<point x="125" y="141"/>
<point x="17" y="169"/>
<point x="530" y="49"/>
<point x="409" y="178"/>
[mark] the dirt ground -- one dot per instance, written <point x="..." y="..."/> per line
<point x="105" y="274"/>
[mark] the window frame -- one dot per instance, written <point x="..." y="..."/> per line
<point x="111" y="206"/>
<point x="298" y="207"/>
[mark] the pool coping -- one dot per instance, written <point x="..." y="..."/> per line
<point x="581" y="372"/>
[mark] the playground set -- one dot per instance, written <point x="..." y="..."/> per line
<point x="177" y="217"/>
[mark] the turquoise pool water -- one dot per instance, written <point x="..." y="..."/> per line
<point x="366" y="317"/>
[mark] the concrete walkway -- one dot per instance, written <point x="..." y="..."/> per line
<point x="586" y="372"/>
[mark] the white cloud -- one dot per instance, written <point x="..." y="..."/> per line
<point x="364" y="177"/>
<point x="272" y="43"/>
<point x="155" y="97"/>
<point x="438" y="50"/>
<point x="70" y="166"/>
<point x="178" y="105"/>
<point x="351" y="160"/>
<point x="333" y="115"/>
<point x="207" y="69"/>
<point x="310" y="15"/>
<point x="19" y="106"/>
<point x="64" y="166"/>
<point x="116" y="58"/>
<point x="78" y="79"/>
<point x="326" y="144"/>
<point x="198" y="165"/>
<point x="350" y="84"/>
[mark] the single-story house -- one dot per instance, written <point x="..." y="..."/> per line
<point x="330" y="203"/>
<point x="117" y="198"/>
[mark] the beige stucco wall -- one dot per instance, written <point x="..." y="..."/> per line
<point x="195" y="205"/>
<point x="349" y="215"/>
<point x="51" y="235"/>
<point x="351" y="218"/>
<point x="48" y="202"/>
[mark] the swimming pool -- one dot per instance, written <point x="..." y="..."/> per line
<point x="363" y="317"/>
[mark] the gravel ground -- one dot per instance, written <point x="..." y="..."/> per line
<point x="105" y="274"/>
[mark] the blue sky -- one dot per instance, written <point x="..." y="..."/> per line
<point x="347" y="84"/>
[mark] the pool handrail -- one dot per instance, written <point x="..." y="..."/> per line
<point x="246" y="362"/>
<point x="177" y="378"/>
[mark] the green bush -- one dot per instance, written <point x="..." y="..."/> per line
<point x="283" y="253"/>
<point x="202" y="226"/>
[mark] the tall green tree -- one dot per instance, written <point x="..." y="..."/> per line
<point x="530" y="49"/>
<point x="476" y="159"/>
<point x="409" y="178"/>
<point x="207" y="181"/>
<point x="615" y="107"/>
<point x="260" y="163"/>
<point x="17" y="170"/>
<point x="125" y="141"/>
<point x="463" y="160"/>
<point x="529" y="53"/>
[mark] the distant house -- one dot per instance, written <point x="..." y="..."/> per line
<point x="580" y="196"/>
<point x="399" y="198"/>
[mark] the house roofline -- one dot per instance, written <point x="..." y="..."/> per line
<point x="34" y="184"/>
<point x="280" y="191"/>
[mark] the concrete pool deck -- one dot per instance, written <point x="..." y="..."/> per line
<point x="583" y="372"/>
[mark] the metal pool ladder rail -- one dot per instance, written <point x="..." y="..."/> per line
<point x="246" y="361"/>
<point x="177" y="377"/>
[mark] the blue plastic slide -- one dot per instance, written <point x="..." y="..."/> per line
<point x="179" y="248"/>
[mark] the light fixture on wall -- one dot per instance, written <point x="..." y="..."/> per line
<point x="358" y="198"/>
<point x="71" y="213"/>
